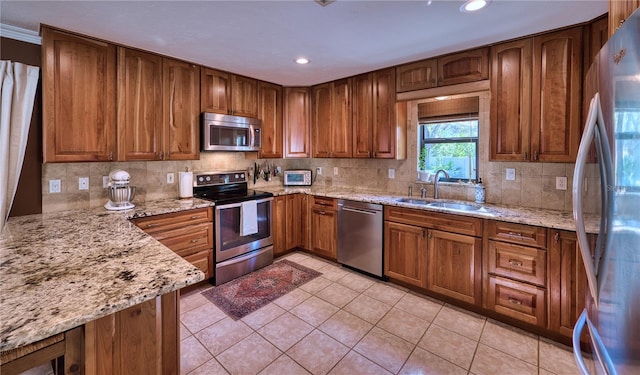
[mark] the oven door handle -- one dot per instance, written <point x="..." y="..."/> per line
<point x="233" y="205"/>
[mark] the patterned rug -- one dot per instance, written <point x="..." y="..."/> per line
<point x="248" y="293"/>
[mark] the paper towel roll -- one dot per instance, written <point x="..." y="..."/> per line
<point x="186" y="185"/>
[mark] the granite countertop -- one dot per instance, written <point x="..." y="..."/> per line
<point x="562" y="220"/>
<point x="61" y="270"/>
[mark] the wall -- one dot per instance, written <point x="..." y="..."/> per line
<point x="28" y="199"/>
<point x="534" y="185"/>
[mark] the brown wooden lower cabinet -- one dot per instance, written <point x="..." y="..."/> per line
<point x="293" y="229"/>
<point x="405" y="253"/>
<point x="278" y="231"/>
<point x="517" y="300"/>
<point x="324" y="227"/>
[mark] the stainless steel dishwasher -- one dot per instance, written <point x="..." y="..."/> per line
<point x="360" y="236"/>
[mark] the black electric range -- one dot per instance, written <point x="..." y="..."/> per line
<point x="226" y="187"/>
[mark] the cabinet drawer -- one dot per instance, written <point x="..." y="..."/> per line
<point x="518" y="262"/>
<point x="324" y="202"/>
<point x="160" y="223"/>
<point x="518" y="233"/>
<point x="188" y="240"/>
<point x="518" y="300"/>
<point x="202" y="260"/>
<point x="426" y="219"/>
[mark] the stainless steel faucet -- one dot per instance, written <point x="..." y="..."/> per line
<point x="435" y="184"/>
<point x="423" y="192"/>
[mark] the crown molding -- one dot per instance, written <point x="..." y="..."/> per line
<point x="18" y="33"/>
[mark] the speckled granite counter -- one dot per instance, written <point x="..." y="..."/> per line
<point x="523" y="215"/>
<point x="61" y="270"/>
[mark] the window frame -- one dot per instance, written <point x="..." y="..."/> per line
<point x="422" y="140"/>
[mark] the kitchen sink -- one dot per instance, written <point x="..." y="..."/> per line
<point x="455" y="206"/>
<point x="412" y="201"/>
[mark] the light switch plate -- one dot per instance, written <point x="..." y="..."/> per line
<point x="392" y="173"/>
<point x="335" y="170"/>
<point x="105" y="181"/>
<point x="561" y="183"/>
<point x="83" y="183"/>
<point x="54" y="186"/>
<point x="318" y="170"/>
<point x="510" y="174"/>
<point x="171" y="178"/>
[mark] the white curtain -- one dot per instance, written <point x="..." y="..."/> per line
<point x="18" y="84"/>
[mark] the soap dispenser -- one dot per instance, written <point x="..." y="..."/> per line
<point x="480" y="191"/>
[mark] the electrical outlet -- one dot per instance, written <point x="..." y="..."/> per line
<point x="335" y="170"/>
<point x="83" y="183"/>
<point x="171" y="177"/>
<point x="510" y="174"/>
<point x="392" y="173"/>
<point x="54" y="186"/>
<point x="318" y="170"/>
<point x="561" y="183"/>
<point x="105" y="181"/>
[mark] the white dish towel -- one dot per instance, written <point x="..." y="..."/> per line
<point x="249" y="218"/>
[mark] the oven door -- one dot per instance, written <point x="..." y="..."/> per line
<point x="229" y="242"/>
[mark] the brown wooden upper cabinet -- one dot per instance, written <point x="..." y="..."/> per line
<point x="535" y="98"/>
<point x="270" y="112"/>
<point x="385" y="122"/>
<point x="297" y="124"/>
<point x="79" y="98"/>
<point x="362" y="115"/>
<point x="461" y="67"/>
<point x="228" y="94"/>
<point x="181" y="114"/>
<point x="619" y="10"/>
<point x="331" y="119"/>
<point x="139" y="110"/>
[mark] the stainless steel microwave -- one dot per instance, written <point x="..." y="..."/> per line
<point x="297" y="177"/>
<point x="230" y="133"/>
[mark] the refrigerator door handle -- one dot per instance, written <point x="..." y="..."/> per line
<point x="578" y="177"/>
<point x="602" y="356"/>
<point x="577" y="332"/>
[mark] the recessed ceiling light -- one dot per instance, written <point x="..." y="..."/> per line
<point x="473" y="5"/>
<point x="442" y="97"/>
<point x="302" y="60"/>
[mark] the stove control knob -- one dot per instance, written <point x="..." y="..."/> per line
<point x="242" y="176"/>
<point x="208" y="178"/>
<point x="200" y="179"/>
<point x="237" y="176"/>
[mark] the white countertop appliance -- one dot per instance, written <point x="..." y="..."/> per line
<point x="119" y="190"/>
<point x="297" y="177"/>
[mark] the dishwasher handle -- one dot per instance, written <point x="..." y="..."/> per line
<point x="358" y="210"/>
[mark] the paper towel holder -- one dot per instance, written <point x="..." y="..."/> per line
<point x="185" y="187"/>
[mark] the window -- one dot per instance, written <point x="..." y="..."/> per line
<point x="448" y="138"/>
<point x="450" y="145"/>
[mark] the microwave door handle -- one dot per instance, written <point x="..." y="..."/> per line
<point x="578" y="214"/>
<point x="252" y="136"/>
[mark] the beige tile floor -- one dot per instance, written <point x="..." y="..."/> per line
<point x="345" y="323"/>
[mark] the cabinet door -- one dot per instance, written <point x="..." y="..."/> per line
<point x="215" y="92"/>
<point x="181" y="110"/>
<point x="405" y="253"/>
<point x="296" y="122"/>
<point x="324" y="232"/>
<point x="244" y="96"/>
<point x="469" y="66"/>
<point x="341" y="119"/>
<point x="454" y="266"/>
<point x="293" y="230"/>
<point x="270" y="112"/>
<point x="620" y="10"/>
<point x="79" y="98"/>
<point x="417" y="76"/>
<point x="305" y="221"/>
<point x="384" y="114"/>
<point x="598" y="35"/>
<point x="321" y="120"/>
<point x="567" y="289"/>
<point x="362" y="115"/>
<point x="557" y="88"/>
<point x="279" y="224"/>
<point x="139" y="105"/>
<point x="510" y="100"/>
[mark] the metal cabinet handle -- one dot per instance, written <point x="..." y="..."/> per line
<point x="152" y="225"/>
<point x="196" y="240"/>
<point x="535" y="155"/>
<point x="556" y="237"/>
<point x="322" y="213"/>
<point x="514" y="301"/>
<point x="526" y="156"/>
<point x="515" y="234"/>
<point x="195" y="217"/>
<point x="430" y="235"/>
<point x="515" y="262"/>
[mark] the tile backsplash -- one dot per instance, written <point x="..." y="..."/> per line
<point x="534" y="184"/>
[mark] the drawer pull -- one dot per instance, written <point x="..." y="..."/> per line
<point x="515" y="234"/>
<point x="514" y="262"/>
<point x="195" y="240"/>
<point x="152" y="225"/>
<point x="195" y="217"/>
<point x="322" y="213"/>
<point x="514" y="301"/>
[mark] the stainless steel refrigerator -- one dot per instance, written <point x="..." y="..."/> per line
<point x="612" y="130"/>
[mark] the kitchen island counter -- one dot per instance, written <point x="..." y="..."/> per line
<point x="61" y="270"/>
<point x="562" y="220"/>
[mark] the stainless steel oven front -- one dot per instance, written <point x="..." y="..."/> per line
<point x="236" y="255"/>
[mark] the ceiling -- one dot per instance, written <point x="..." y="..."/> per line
<point x="261" y="39"/>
